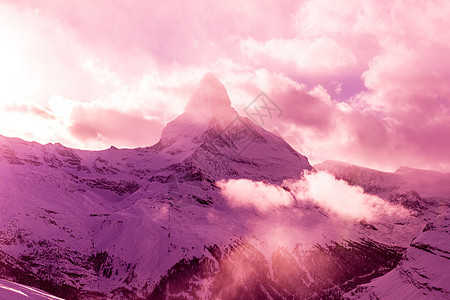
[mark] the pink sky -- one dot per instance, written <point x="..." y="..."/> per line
<point x="366" y="82"/>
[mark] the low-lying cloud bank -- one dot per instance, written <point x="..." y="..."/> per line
<point x="320" y="188"/>
<point x="244" y="192"/>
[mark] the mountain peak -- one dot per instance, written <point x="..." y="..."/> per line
<point x="209" y="97"/>
<point x="211" y="135"/>
<point x="209" y="104"/>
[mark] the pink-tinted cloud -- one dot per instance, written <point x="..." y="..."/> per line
<point x="343" y="199"/>
<point x="317" y="56"/>
<point x="320" y="188"/>
<point x="115" y="127"/>
<point x="170" y="30"/>
<point x="305" y="108"/>
<point x="247" y="193"/>
<point x="29" y="109"/>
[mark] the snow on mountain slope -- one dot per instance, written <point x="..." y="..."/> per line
<point x="423" y="273"/>
<point x="153" y="223"/>
<point x="12" y="290"/>
<point x="116" y="220"/>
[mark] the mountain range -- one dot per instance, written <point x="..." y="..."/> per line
<point x="155" y="223"/>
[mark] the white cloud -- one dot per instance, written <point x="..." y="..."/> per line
<point x="341" y="198"/>
<point x="316" y="56"/>
<point x="247" y="193"/>
<point x="335" y="196"/>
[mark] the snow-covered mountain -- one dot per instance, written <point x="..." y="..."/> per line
<point x="211" y="136"/>
<point x="153" y="223"/>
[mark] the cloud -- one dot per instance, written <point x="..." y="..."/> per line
<point x="320" y="55"/>
<point x="126" y="29"/>
<point x="402" y="115"/>
<point x="247" y="193"/>
<point x="305" y="108"/>
<point x="104" y="125"/>
<point x="321" y="188"/>
<point x="29" y="109"/>
<point x="404" y="74"/>
<point x="341" y="198"/>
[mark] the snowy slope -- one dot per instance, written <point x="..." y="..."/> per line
<point x="116" y="220"/>
<point x="12" y="290"/>
<point x="423" y="273"/>
<point x="152" y="222"/>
